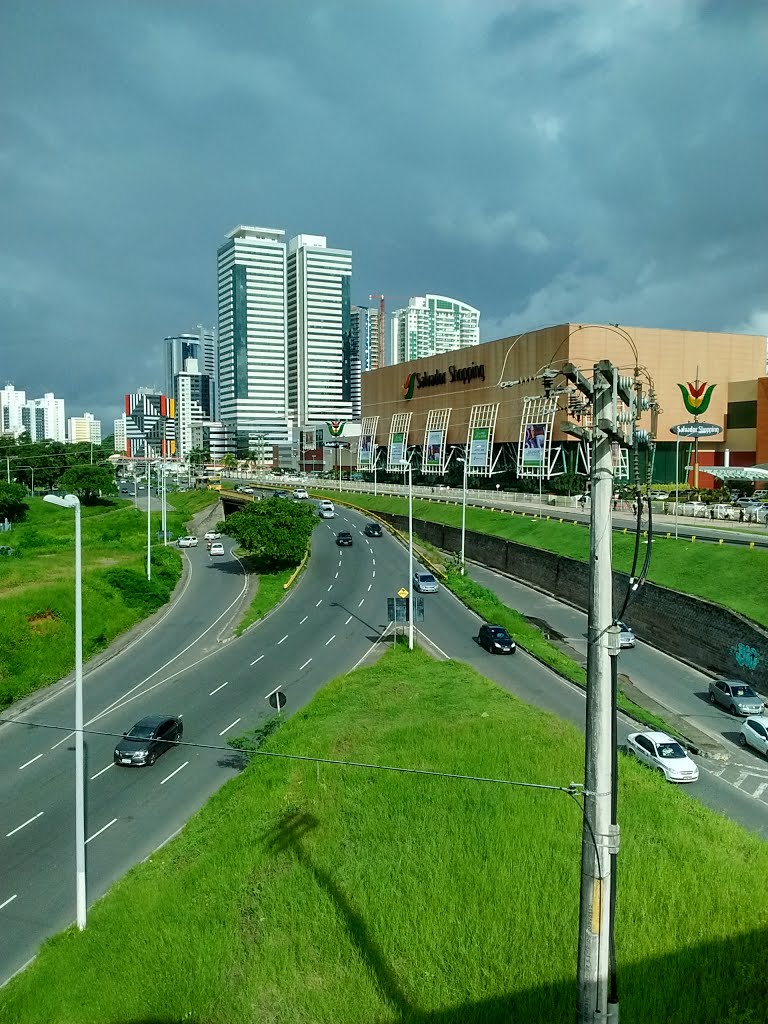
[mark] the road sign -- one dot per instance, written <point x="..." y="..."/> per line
<point x="399" y="609"/>
<point x="696" y="429"/>
<point x="402" y="592"/>
<point x="277" y="699"/>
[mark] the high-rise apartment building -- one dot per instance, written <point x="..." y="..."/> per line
<point x="43" y="418"/>
<point x="150" y="426"/>
<point x="432" y="324"/>
<point x="121" y="435"/>
<point x="319" y="331"/>
<point x="84" y="429"/>
<point x="200" y="345"/>
<point x="365" y="350"/>
<point x="253" y="357"/>
<point x="192" y="393"/>
<point x="11" y="404"/>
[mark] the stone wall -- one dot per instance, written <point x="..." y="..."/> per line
<point x="689" y="628"/>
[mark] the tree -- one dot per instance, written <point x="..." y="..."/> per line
<point x="88" y="482"/>
<point x="12" y="504"/>
<point x="229" y="462"/>
<point x="198" y="457"/>
<point x="276" y="530"/>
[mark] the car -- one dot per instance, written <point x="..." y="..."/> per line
<point x="658" y="495"/>
<point x="344" y="539"/>
<point x="212" y="535"/>
<point x="300" y="493"/>
<point x="216" y="548"/>
<point x="424" y="583"/>
<point x="148" y="739"/>
<point x="495" y="639"/>
<point x="372" y="530"/>
<point x="626" y="637"/>
<point x="123" y="490"/>
<point x="326" y="513"/>
<point x="246" y="490"/>
<point x="187" y="542"/>
<point x="735" y="696"/>
<point x="325" y="503"/>
<point x="281" y="494"/>
<point x="664" y="753"/>
<point x="754" y="733"/>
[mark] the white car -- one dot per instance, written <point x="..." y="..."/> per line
<point x="216" y="548"/>
<point x="212" y="535"/>
<point x="187" y="542"/>
<point x="664" y="753"/>
<point x="326" y="513"/>
<point x="299" y="492"/>
<point x="754" y="732"/>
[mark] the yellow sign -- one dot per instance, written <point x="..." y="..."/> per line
<point x="402" y="592"/>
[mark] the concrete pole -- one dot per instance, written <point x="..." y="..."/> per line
<point x="410" y="556"/>
<point x="79" y="750"/>
<point x="677" y="482"/>
<point x="464" y="508"/>
<point x="149" y="518"/>
<point x="597" y="833"/>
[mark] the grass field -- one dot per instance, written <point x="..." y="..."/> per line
<point x="37" y="613"/>
<point x="731" y="576"/>
<point x="319" y="893"/>
<point x="270" y="593"/>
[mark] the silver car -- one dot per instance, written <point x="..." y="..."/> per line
<point x="424" y="583"/>
<point x="735" y="696"/>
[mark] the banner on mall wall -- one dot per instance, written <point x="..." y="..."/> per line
<point x="365" y="451"/>
<point x="397" y="449"/>
<point x="433" y="454"/>
<point x="478" y="447"/>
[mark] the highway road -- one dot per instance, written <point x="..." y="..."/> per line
<point x="325" y="626"/>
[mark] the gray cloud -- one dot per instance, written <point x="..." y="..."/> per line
<point x="545" y="162"/>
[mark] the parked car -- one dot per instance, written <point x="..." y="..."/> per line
<point x="496" y="640"/>
<point x="664" y="753"/>
<point x="148" y="739"/>
<point x="187" y="542"/>
<point x="754" y="733"/>
<point x="344" y="539"/>
<point x="300" y="493"/>
<point x="626" y="637"/>
<point x="658" y="495"/>
<point x="372" y="530"/>
<point x="735" y="696"/>
<point x="424" y="583"/>
<point x="5" y="551"/>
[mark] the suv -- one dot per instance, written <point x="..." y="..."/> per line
<point x="344" y="539"/>
<point x="496" y="640"/>
<point x="372" y="530"/>
<point x="187" y="542"/>
<point x="735" y="696"/>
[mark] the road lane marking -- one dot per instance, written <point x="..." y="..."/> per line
<point x="348" y="621"/>
<point x="258" y="659"/>
<point x="177" y="770"/>
<point x="361" y="601"/>
<point x="222" y="686"/>
<point x="742" y="777"/>
<point x="374" y="574"/>
<point x="329" y="639"/>
<point x="280" y="641"/>
<point x="369" y="587"/>
<point x="337" y="575"/>
<point x="232" y="726"/>
<point x="331" y="587"/>
<point x="9" y="900"/>
<point x="68" y="737"/>
<point x="28" y="763"/>
<point x="339" y="561"/>
<point x="319" y="603"/>
<point x="374" y="561"/>
<point x="27" y="822"/>
<point x="108" y="825"/>
<point x="303" y="620"/>
<point x="305" y="664"/>
<point x="110" y="765"/>
<point x="432" y="642"/>
<point x="760" y="790"/>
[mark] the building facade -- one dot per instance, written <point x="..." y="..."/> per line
<point x="120" y="434"/>
<point x="253" y="356"/>
<point x="11" y="404"/>
<point x="193" y="402"/>
<point x="84" y="429"/>
<point x="319" y="331"/>
<point x="199" y="345"/>
<point x="432" y="324"/>
<point x="43" y="418"/>
<point x="149" y="425"/>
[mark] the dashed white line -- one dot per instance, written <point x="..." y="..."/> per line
<point x="28" y="763"/>
<point x="348" y="621"/>
<point x="362" y="599"/>
<point x="339" y="561"/>
<point x="231" y="726"/>
<point x="222" y="686"/>
<point x="258" y="659"/>
<point x="374" y="574"/>
<point x="760" y="790"/>
<point x="337" y="575"/>
<point x="280" y="641"/>
<point x="331" y="587"/>
<point x="24" y="825"/>
<point x="303" y="620"/>
<point x="319" y="603"/>
<point x="305" y="664"/>
<point x="104" y="829"/>
<point x="110" y="765"/>
<point x="329" y="639"/>
<point x="374" y="561"/>
<point x="9" y="900"/>
<point x="369" y="587"/>
<point x="178" y="769"/>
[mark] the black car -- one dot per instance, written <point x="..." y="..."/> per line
<point x="149" y="738"/>
<point x="344" y="539"/>
<point x="496" y="640"/>
<point x="372" y="530"/>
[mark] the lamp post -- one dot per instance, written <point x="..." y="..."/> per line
<point x="465" y="460"/>
<point x="410" y="556"/>
<point x="71" y="501"/>
<point x="149" y="518"/>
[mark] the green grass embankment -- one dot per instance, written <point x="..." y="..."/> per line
<point x="731" y="576"/>
<point x="339" y="895"/>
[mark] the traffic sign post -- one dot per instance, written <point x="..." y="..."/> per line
<point x="276" y="698"/>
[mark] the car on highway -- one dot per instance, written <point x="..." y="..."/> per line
<point x="372" y="530"/>
<point x="281" y="494"/>
<point x="148" y="739"/>
<point x="754" y="733"/>
<point x="424" y="583"/>
<point x="626" y="636"/>
<point x="344" y="539"/>
<point x="187" y="542"/>
<point x="212" y="535"/>
<point x="735" y="696"/>
<point x="495" y="639"/>
<point x="325" y="513"/>
<point x="300" y="493"/>
<point x="662" y="752"/>
<point x="216" y="548"/>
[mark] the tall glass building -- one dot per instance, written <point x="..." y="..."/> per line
<point x="431" y="324"/>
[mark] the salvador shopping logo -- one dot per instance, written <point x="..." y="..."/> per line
<point x="453" y="375"/>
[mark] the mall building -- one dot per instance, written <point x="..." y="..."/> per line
<point x="496" y="401"/>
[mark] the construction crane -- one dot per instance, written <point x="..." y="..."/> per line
<point x="383" y="323"/>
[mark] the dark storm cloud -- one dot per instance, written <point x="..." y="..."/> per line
<point x="543" y="161"/>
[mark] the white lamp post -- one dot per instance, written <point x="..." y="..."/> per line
<point x="149" y="518"/>
<point x="464" y="508"/>
<point x="410" y="556"/>
<point x="71" y="501"/>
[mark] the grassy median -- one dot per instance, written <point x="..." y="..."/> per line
<point x="324" y="893"/>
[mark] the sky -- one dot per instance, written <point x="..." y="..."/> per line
<point x="544" y="160"/>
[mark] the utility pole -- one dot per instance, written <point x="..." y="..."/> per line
<point x="597" y="999"/>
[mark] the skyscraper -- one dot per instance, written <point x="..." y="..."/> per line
<point x="319" y="331"/>
<point x="253" y="376"/>
<point x="11" y="404"/>
<point x="432" y="324"/>
<point x="200" y="345"/>
<point x="43" y="418"/>
<point x="192" y="392"/>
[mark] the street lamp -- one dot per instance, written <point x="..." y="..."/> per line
<point x="410" y="555"/>
<point x="71" y="501"/>
<point x="465" y="459"/>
